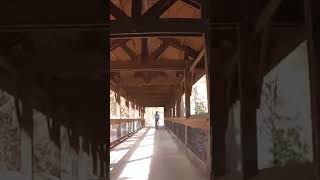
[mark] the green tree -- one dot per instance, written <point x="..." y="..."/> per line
<point x="199" y="103"/>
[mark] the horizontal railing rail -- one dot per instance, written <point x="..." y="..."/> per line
<point x="195" y="121"/>
<point x="119" y="121"/>
<point x="121" y="129"/>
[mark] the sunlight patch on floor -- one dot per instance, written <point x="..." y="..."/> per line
<point x="138" y="166"/>
<point x="136" y="170"/>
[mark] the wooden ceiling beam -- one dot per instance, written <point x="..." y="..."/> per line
<point x="130" y="53"/>
<point x="136" y="9"/>
<point x="144" y="51"/>
<point x="156" y="54"/>
<point x="151" y="88"/>
<point x="161" y="27"/>
<point x="195" y="62"/>
<point x="175" y="43"/>
<point x="158" y="9"/>
<point x="193" y="3"/>
<point x="117" y="42"/>
<point x="117" y="12"/>
<point x="161" y="65"/>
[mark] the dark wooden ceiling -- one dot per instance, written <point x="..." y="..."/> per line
<point x="151" y="40"/>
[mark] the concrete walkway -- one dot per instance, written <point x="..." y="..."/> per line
<point x="151" y="155"/>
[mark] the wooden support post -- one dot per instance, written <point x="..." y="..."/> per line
<point x="139" y="110"/>
<point x="219" y="120"/>
<point x="178" y="102"/>
<point x="165" y="111"/>
<point x="248" y="82"/>
<point x="102" y="160"/>
<point x="312" y="15"/>
<point x="218" y="110"/>
<point x="187" y="87"/>
<point x="144" y="51"/>
<point x="205" y="14"/>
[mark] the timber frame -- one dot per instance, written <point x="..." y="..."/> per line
<point x="249" y="37"/>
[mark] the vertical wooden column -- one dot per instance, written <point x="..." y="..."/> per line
<point x="312" y="16"/>
<point x="248" y="84"/>
<point x="134" y="110"/>
<point x="217" y="107"/>
<point x="139" y="110"/>
<point x="178" y="102"/>
<point x="187" y="86"/>
<point x="174" y="106"/>
<point x="206" y="5"/>
<point x="102" y="160"/>
<point x="219" y="121"/>
<point x="217" y="101"/>
<point x="119" y="103"/>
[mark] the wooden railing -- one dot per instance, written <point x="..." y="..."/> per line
<point x="121" y="129"/>
<point x="193" y="132"/>
<point x="119" y="121"/>
<point x="196" y="121"/>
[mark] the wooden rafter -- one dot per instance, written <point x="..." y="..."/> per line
<point x="161" y="27"/>
<point x="158" y="9"/>
<point x="175" y="43"/>
<point x="136" y="9"/>
<point x="144" y="51"/>
<point x="161" y="65"/>
<point x="156" y="54"/>
<point x="130" y="53"/>
<point x="193" y="3"/>
<point x="197" y="60"/>
<point x="117" y="12"/>
<point x="116" y="43"/>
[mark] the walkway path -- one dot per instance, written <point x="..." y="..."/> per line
<point x="151" y="155"/>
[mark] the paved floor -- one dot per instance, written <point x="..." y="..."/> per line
<point x="151" y="155"/>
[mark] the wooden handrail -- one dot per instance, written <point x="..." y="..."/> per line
<point x="198" y="121"/>
<point x="119" y="121"/>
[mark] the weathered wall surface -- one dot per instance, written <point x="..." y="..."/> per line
<point x="35" y="156"/>
<point x="10" y="139"/>
<point x="46" y="154"/>
<point x="233" y="141"/>
<point x="284" y="117"/>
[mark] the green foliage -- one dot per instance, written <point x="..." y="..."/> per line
<point x="200" y="106"/>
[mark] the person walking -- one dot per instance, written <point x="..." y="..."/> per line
<point x="156" y="117"/>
